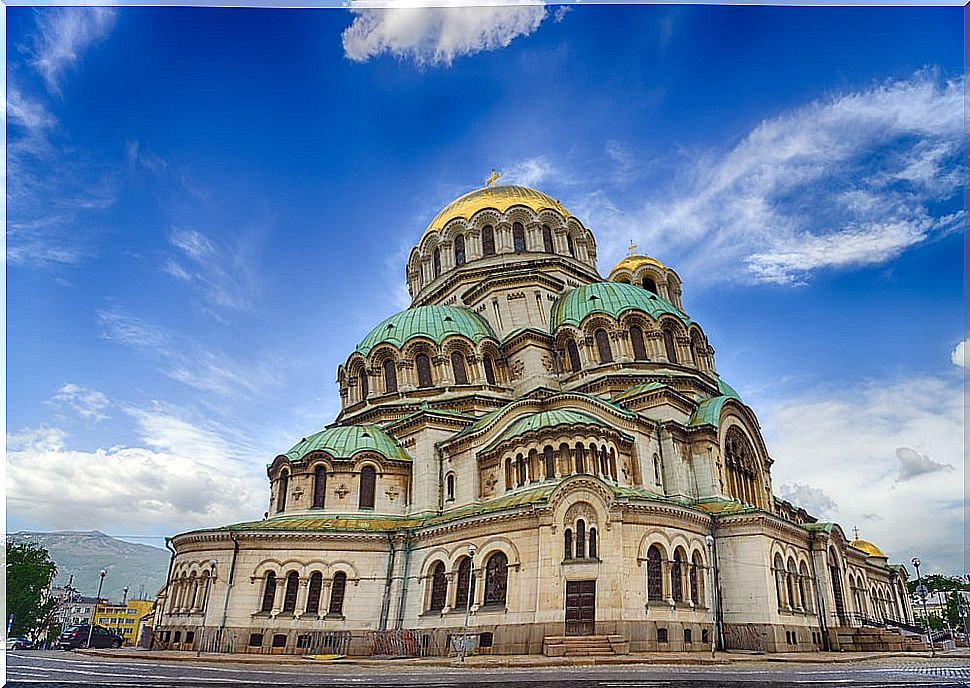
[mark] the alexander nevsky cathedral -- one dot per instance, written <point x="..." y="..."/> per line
<point x="545" y="455"/>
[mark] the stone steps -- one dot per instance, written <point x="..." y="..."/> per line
<point x="584" y="645"/>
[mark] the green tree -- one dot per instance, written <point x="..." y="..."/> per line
<point x="948" y="587"/>
<point x="30" y="573"/>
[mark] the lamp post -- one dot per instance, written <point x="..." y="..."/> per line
<point x="124" y="600"/>
<point x="468" y="599"/>
<point x="922" y="594"/>
<point x="97" y="599"/>
<point x="709" y="541"/>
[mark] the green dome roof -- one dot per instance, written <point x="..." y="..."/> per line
<point x="612" y="298"/>
<point x="345" y="441"/>
<point x="433" y="322"/>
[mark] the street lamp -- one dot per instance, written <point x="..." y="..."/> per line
<point x="124" y="600"/>
<point x="468" y="599"/>
<point x="101" y="573"/>
<point x="709" y="541"/>
<point x="921" y="591"/>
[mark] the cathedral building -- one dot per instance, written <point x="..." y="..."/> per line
<point x="541" y="451"/>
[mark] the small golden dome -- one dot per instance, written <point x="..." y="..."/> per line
<point x="632" y="263"/>
<point x="867" y="547"/>
<point x="501" y="198"/>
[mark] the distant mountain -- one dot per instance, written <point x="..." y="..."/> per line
<point x="141" y="567"/>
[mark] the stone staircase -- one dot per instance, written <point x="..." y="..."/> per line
<point x="584" y="645"/>
<point x="866" y="639"/>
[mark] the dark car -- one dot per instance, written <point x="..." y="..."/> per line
<point x="77" y="636"/>
<point x="20" y="644"/>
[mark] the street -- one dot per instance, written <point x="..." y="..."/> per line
<point x="32" y="668"/>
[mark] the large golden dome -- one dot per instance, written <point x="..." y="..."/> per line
<point x="867" y="547"/>
<point x="500" y="198"/>
<point x="632" y="263"/>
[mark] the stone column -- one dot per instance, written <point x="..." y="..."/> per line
<point x="278" y="597"/>
<point x="302" y="592"/>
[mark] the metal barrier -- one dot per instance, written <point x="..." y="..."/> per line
<point x="272" y="641"/>
<point x="406" y="643"/>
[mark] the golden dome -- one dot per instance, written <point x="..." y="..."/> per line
<point x="501" y="198"/>
<point x="632" y="263"/>
<point x="867" y="547"/>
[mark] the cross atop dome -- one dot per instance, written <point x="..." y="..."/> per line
<point x="632" y="249"/>
<point x="492" y="178"/>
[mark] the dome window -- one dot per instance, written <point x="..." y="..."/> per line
<point x="518" y="237"/>
<point x="489" y="369"/>
<point x="547" y="239"/>
<point x="650" y="285"/>
<point x="436" y="262"/>
<point x="448" y="318"/>
<point x="488" y="241"/>
<point x="572" y="353"/>
<point x="368" y="484"/>
<point x="570" y="246"/>
<point x="390" y="377"/>
<point x="459" y="251"/>
<point x="636" y="340"/>
<point x="423" y="364"/>
<point x="603" y="346"/>
<point x="459" y="368"/>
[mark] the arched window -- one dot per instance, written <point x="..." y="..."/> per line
<point x="697" y="579"/>
<point x="368" y="483"/>
<point x="580" y="539"/>
<point x="572" y="353"/>
<point x="649" y="284"/>
<point x="604" y="462"/>
<point x="282" y="490"/>
<point x="450" y="486"/>
<point x="568" y="544"/>
<point x="459" y="251"/>
<point x="465" y="589"/>
<point x="423" y="364"/>
<point x="603" y="346"/>
<point x="337" y="590"/>
<point x="269" y="593"/>
<point x="390" y="376"/>
<point x="488" y="241"/>
<point x="639" y="347"/>
<point x="669" y="347"/>
<point x="806" y="599"/>
<point x="313" y="593"/>
<point x="508" y="473"/>
<point x="289" y="595"/>
<point x="496" y="578"/>
<point x="696" y="347"/>
<point x="655" y="583"/>
<point x="657" y="472"/>
<point x="547" y="239"/>
<point x="580" y="459"/>
<point x="790" y="584"/>
<point x="436" y="261"/>
<point x="677" y="576"/>
<point x="459" y="369"/>
<point x="779" y="577"/>
<point x="439" y="587"/>
<point x="489" y="367"/>
<point x="593" y="544"/>
<point x="319" y="486"/>
<point x="518" y="237"/>
<point x="550" y="463"/>
<point x="364" y="388"/>
<point x="520" y="470"/>
<point x="570" y="246"/>
<point x="741" y="463"/>
<point x="692" y="581"/>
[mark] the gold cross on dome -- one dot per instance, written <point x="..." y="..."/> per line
<point x="855" y="531"/>
<point x="492" y="178"/>
<point x="633" y="248"/>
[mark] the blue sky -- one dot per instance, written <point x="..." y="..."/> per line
<point x="208" y="208"/>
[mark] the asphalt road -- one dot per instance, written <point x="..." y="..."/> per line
<point x="68" y="669"/>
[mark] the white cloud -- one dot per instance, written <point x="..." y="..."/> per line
<point x="855" y="446"/>
<point x="89" y="404"/>
<point x="847" y="180"/>
<point x="959" y="355"/>
<point x="27" y="112"/>
<point x="222" y="271"/>
<point x="531" y="172"/>
<point x="437" y="35"/>
<point x="63" y="34"/>
<point x="812" y="499"/>
<point x="181" y="476"/>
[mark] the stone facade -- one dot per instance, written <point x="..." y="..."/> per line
<point x="542" y="450"/>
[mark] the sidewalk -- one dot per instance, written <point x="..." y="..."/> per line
<point x="523" y="661"/>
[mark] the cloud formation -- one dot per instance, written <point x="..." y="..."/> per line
<point x="959" y="355"/>
<point x="912" y="464"/>
<point x="222" y="272"/>
<point x="62" y="35"/>
<point x="436" y="35"/>
<point x="89" y="404"/>
<point x="812" y="499"/>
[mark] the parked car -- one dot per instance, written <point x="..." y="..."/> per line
<point x="77" y="636"/>
<point x="19" y="644"/>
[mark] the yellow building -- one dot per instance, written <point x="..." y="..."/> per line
<point x="123" y="619"/>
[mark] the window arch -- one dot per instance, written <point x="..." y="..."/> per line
<point x="390" y="376"/>
<point x="790" y="576"/>
<point x="518" y="237"/>
<point x="313" y="593"/>
<point x="547" y="245"/>
<point x="488" y="241"/>
<point x="603" y="346"/>
<point x="804" y="596"/>
<point x="436" y="261"/>
<point x="450" y="486"/>
<point x="364" y="387"/>
<point x="572" y="353"/>
<point x="337" y="590"/>
<point x="489" y="367"/>
<point x="779" y="567"/>
<point x="655" y="584"/>
<point x="289" y="595"/>
<point x="639" y="346"/>
<point x="520" y="470"/>
<point x="423" y="364"/>
<point x="570" y="246"/>
<point x="696" y="578"/>
<point x="465" y="588"/>
<point x="657" y="471"/>
<point x="458" y="368"/>
<point x="269" y="592"/>
<point x="568" y="544"/>
<point x="593" y="544"/>
<point x="650" y="285"/>
<point x="697" y="350"/>
<point x="669" y="347"/>
<point x="439" y="587"/>
<point x="580" y="539"/>
<point x="580" y="458"/>
<point x="368" y="484"/>
<point x="677" y="576"/>
<point x="549" y="462"/>
<point x="319" y="486"/>
<point x="282" y="490"/>
<point x="459" y="251"/>
<point x="496" y="578"/>
<point x="741" y="463"/>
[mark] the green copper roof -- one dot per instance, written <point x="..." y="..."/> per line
<point x="547" y="419"/>
<point x="708" y="412"/>
<point x="727" y="390"/>
<point x="345" y="441"/>
<point x="612" y="298"/>
<point x="638" y="389"/>
<point x="434" y="322"/>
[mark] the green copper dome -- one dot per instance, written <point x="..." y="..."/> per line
<point x="345" y="441"/>
<point x="434" y="322"/>
<point x="611" y="298"/>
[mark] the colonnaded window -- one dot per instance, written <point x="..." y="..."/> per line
<point x="650" y="285"/>
<point x="669" y="347"/>
<point x="549" y="463"/>
<point x="779" y="567"/>
<point x="572" y="353"/>
<point x="436" y="261"/>
<point x="593" y="544"/>
<point x="319" y="486"/>
<point x="364" y="388"/>
<point x="439" y="587"/>
<point x="269" y="592"/>
<point x="423" y="364"/>
<point x="368" y="480"/>
<point x="450" y="486"/>
<point x="465" y="589"/>
<point x="580" y="459"/>
<point x="337" y="590"/>
<point x="547" y="239"/>
<point x="313" y="593"/>
<point x="289" y="595"/>
<point x="580" y="539"/>
<point x="655" y="583"/>
<point x="568" y="544"/>
<point x="489" y="369"/>
<point x="570" y="246"/>
<point x="518" y="237"/>
<point x="459" y="251"/>
<point x="459" y="369"/>
<point x="639" y="347"/>
<point x="695" y="578"/>
<point x="677" y="576"/>
<point x="488" y="241"/>
<point x="741" y="463"/>
<point x="496" y="578"/>
<point x="283" y="489"/>
<point x="390" y="376"/>
<point x="603" y="346"/>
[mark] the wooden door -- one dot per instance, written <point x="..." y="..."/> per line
<point x="580" y="607"/>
